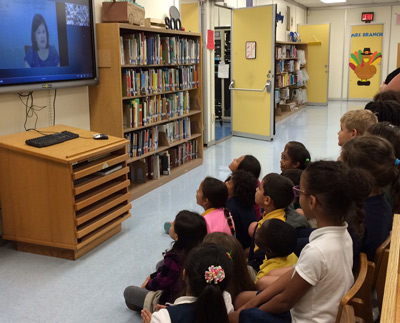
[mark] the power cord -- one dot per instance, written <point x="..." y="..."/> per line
<point x="30" y="108"/>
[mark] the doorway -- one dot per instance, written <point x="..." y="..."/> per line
<point x="222" y="102"/>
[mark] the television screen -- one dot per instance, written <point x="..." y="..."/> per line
<point x="47" y="44"/>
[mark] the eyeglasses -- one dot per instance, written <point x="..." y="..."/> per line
<point x="297" y="191"/>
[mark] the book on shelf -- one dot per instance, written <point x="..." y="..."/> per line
<point x="138" y="171"/>
<point x="165" y="163"/>
<point x="109" y="170"/>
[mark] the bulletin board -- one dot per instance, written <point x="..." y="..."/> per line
<point x="365" y="61"/>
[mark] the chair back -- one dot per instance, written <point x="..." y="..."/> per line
<point x="347" y="315"/>
<point x="381" y="278"/>
<point x="359" y="296"/>
<point x="379" y="255"/>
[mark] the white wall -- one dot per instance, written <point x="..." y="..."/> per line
<point x="72" y="105"/>
<point x="222" y="17"/>
<point x="341" y="21"/>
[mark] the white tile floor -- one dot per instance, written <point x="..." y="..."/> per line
<point x="43" y="289"/>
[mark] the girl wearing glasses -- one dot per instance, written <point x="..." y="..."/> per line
<point x="333" y="194"/>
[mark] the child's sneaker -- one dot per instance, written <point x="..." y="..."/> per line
<point x="167" y="226"/>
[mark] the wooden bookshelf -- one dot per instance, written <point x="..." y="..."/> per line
<point x="287" y="78"/>
<point x="109" y="99"/>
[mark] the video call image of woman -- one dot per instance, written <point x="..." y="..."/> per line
<point x="41" y="54"/>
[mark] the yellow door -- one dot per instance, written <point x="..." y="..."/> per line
<point x="317" y="37"/>
<point x="253" y="43"/>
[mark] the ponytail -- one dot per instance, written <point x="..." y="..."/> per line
<point x="359" y="186"/>
<point x="210" y="306"/>
<point x="230" y="221"/>
<point x="208" y="270"/>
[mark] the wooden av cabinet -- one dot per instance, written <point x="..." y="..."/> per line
<point x="63" y="200"/>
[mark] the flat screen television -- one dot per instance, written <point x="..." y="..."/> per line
<point x="47" y="44"/>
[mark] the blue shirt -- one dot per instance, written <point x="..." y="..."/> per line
<point x="33" y="59"/>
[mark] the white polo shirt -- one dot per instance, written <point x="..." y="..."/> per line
<point x="326" y="263"/>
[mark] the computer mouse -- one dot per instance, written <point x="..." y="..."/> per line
<point x="98" y="136"/>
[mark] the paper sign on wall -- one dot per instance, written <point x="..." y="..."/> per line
<point x="364" y="61"/>
<point x="223" y="70"/>
<point x="210" y="39"/>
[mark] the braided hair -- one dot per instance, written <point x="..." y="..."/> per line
<point x="217" y="194"/>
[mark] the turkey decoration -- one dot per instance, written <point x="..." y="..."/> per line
<point x="363" y="63"/>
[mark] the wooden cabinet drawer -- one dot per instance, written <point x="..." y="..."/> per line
<point x="100" y="192"/>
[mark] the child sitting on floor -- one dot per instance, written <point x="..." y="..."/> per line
<point x="242" y="187"/>
<point x="354" y="123"/>
<point x="277" y="240"/>
<point x="212" y="196"/>
<point x="188" y="230"/>
<point x="274" y="195"/>
<point x="207" y="272"/>
<point x="295" y="155"/>
<point x="251" y="164"/>
<point x="242" y="280"/>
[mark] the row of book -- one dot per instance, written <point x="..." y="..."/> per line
<point x="152" y="167"/>
<point x="286" y="79"/>
<point x="144" y="111"/>
<point x="142" y="49"/>
<point x="142" y="142"/>
<point x="147" y="140"/>
<point x="287" y="66"/>
<point x="177" y="130"/>
<point x="285" y="51"/>
<point x="157" y="80"/>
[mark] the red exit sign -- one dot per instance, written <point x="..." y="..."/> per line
<point x="367" y="16"/>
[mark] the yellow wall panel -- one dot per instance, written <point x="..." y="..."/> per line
<point x="190" y="17"/>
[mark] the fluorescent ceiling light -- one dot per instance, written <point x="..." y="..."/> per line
<point x="332" y="1"/>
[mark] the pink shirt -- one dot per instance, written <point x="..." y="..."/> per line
<point x="217" y="222"/>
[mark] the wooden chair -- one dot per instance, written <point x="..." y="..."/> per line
<point x="379" y="254"/>
<point x="347" y="315"/>
<point x="381" y="278"/>
<point x="359" y="296"/>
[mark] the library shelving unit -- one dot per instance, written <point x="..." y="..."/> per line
<point x="63" y="200"/>
<point x="290" y="77"/>
<point x="150" y="92"/>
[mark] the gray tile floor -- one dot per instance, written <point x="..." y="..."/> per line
<point x="43" y="289"/>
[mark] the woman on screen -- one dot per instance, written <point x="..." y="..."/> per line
<point x="40" y="54"/>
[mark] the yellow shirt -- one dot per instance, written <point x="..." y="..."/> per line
<point x="275" y="214"/>
<point x="275" y="263"/>
<point x="207" y="211"/>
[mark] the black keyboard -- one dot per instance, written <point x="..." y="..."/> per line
<point x="52" y="139"/>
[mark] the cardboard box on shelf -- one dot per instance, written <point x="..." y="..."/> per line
<point x="122" y="11"/>
<point x="288" y="106"/>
